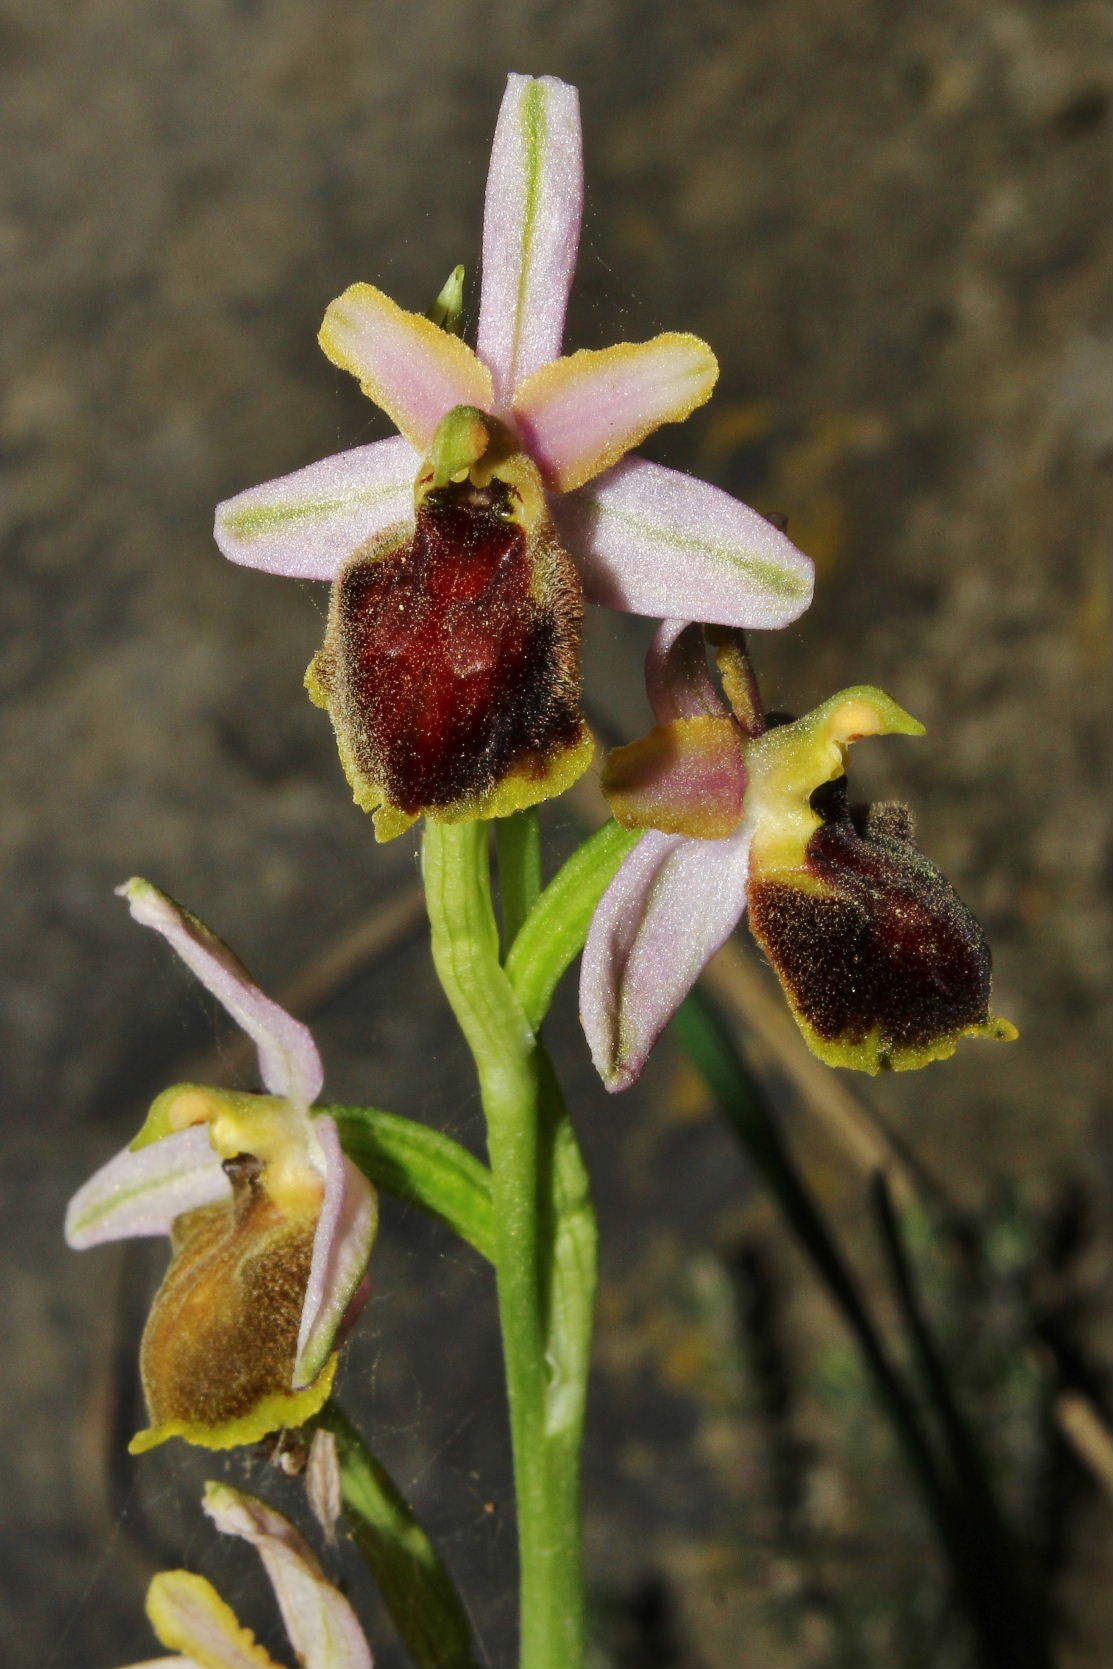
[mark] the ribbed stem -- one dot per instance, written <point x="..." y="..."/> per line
<point x="542" y="1249"/>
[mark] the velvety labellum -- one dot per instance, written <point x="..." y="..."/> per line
<point x="452" y="659"/>
<point x="883" y="964"/>
<point x="222" y="1334"/>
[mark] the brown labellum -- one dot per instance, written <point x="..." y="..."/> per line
<point x="883" y="964"/>
<point x="452" y="656"/>
<point x="223" y="1330"/>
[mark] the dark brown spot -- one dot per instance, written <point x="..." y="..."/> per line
<point x="883" y="944"/>
<point x="455" y="656"/>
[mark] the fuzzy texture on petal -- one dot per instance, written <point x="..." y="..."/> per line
<point x="649" y="540"/>
<point x="141" y="1193"/>
<point x="667" y="911"/>
<point x="341" y="1250"/>
<point x="578" y="416"/>
<point x="189" y="1615"/>
<point x="450" y="669"/>
<point x="531" y="229"/>
<point x="410" y="368"/>
<point x="288" y="1058"/>
<point x="218" y="1351"/>
<point x="306" y="525"/>
<point x="323" y="1629"/>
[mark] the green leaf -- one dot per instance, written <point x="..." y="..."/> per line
<point x="415" y="1163"/>
<point x="416" y="1588"/>
<point x="553" y="933"/>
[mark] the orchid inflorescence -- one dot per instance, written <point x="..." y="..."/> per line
<point x="461" y="554"/>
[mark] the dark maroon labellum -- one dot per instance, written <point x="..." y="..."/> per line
<point x="453" y="659"/>
<point x="881" y="960"/>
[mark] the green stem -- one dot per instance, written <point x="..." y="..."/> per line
<point x="531" y="1181"/>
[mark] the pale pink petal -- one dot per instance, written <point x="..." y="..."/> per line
<point x="677" y="681"/>
<point x="649" y="540"/>
<point x="667" y="911"/>
<point x="531" y="229"/>
<point x="188" y="1614"/>
<point x="323" y="1629"/>
<point x="307" y="525"/>
<point x="341" y="1247"/>
<point x="578" y="416"/>
<point x="288" y="1058"/>
<point x="141" y="1193"/>
<point x="406" y="364"/>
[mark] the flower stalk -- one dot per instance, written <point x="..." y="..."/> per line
<point x="544" y="1241"/>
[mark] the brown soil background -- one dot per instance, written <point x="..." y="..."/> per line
<point x="891" y="223"/>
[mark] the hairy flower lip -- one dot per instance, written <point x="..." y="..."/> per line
<point x="818" y="900"/>
<point x="644" y="539"/>
<point x="175" y="1168"/>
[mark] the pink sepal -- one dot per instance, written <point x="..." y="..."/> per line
<point x="288" y="1060"/>
<point x="141" y="1193"/>
<point x="323" y="1629"/>
<point x="671" y="906"/>
<point x="308" y="524"/>
<point x="649" y="540"/>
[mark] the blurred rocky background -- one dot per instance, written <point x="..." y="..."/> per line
<point x="891" y="223"/>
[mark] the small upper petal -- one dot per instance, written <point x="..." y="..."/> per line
<point x="323" y="1629"/>
<point x="578" y="416"/>
<point x="650" y="540"/>
<point x="288" y="1058"/>
<point x="667" y="911"/>
<point x="412" y="369"/>
<point x="308" y="524"/>
<point x="531" y="229"/>
<point x="142" y="1192"/>
<point x="341" y="1248"/>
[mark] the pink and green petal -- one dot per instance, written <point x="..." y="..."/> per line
<point x="342" y="1247"/>
<point x="288" y="1060"/>
<point x="578" y="416"/>
<point x="649" y="540"/>
<point x="531" y="229"/>
<point x="308" y="524"/>
<point x="407" y="365"/>
<point x="188" y="1615"/>
<point x="141" y="1193"/>
<point x="323" y="1629"/>
<point x="677" y="681"/>
<point x="686" y="777"/>
<point x="668" y="910"/>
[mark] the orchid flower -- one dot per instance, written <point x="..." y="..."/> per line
<point x="190" y="1618"/>
<point x="271" y="1224"/>
<point x="883" y="965"/>
<point x="461" y="552"/>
